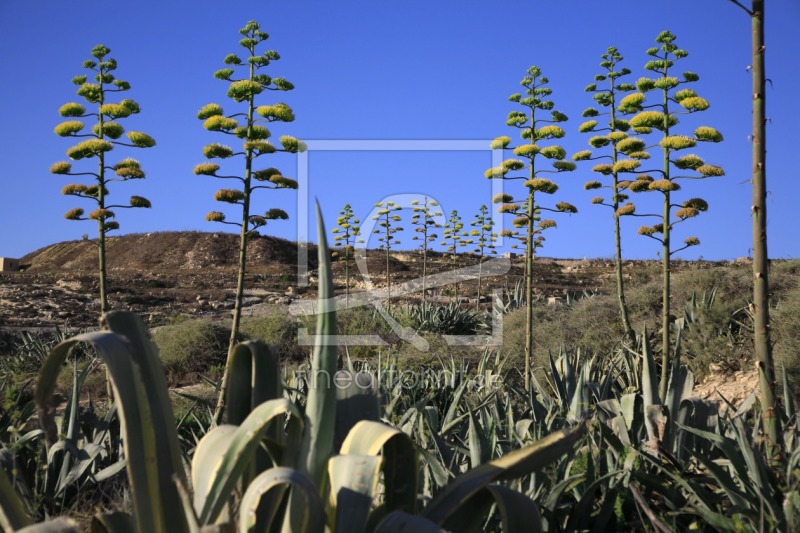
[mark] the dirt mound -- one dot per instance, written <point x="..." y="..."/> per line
<point x="163" y="251"/>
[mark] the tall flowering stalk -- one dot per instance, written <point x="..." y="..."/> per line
<point x="536" y="128"/>
<point x="104" y="136"/>
<point x="388" y="226"/>
<point x="671" y="98"/>
<point x="607" y="90"/>
<point x="347" y="233"/>
<point x="248" y="127"/>
<point x="425" y="222"/>
<point x="454" y="237"/>
<point x="761" y="320"/>
<point x="484" y="239"/>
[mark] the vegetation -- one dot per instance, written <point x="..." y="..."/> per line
<point x="670" y="91"/>
<point x="103" y="138"/>
<point x="527" y="209"/>
<point x="482" y="236"/>
<point x="454" y="237"/>
<point x="608" y="89"/>
<point x="247" y="126"/>
<point x="425" y="221"/>
<point x="388" y="226"/>
<point x="346" y="235"/>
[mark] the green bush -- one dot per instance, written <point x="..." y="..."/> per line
<point x="192" y="346"/>
<point x="786" y="336"/>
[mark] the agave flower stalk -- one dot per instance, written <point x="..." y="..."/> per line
<point x="454" y="238"/>
<point x="675" y="99"/>
<point x="607" y="90"/>
<point x="535" y="130"/>
<point x="761" y="320"/>
<point x="482" y="236"/>
<point x="248" y="127"/>
<point x="425" y="222"/>
<point x="104" y="137"/>
<point x="346" y="234"/>
<point x="388" y="226"/>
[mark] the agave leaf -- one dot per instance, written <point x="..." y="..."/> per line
<point x="354" y="481"/>
<point x="12" y="511"/>
<point x="479" y="448"/>
<point x="518" y="513"/>
<point x="320" y="414"/>
<point x="649" y="374"/>
<point x="147" y="422"/>
<point x="58" y="525"/>
<point x="266" y="492"/>
<point x="116" y="522"/>
<point x="400" y="465"/>
<point x="205" y="461"/>
<point x="241" y="445"/>
<point x="253" y="378"/>
<point x="356" y="400"/>
<point x="402" y="522"/>
<point x="737" y="497"/>
<point x="515" y="464"/>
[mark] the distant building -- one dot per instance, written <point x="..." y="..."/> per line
<point x="9" y="265"/>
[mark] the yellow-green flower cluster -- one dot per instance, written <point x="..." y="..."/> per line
<point x="631" y="144"/>
<point x="231" y="196"/>
<point x="276" y="214"/>
<point x="710" y="170"/>
<point x="627" y="209"/>
<point x="61" y="167"/>
<point x="241" y="90"/>
<point x="209" y="110"/>
<point x="631" y="103"/>
<point x="91" y="92"/>
<point x="254" y="133"/>
<point x="292" y="145"/>
<point x="598" y="141"/>
<point x="603" y="168"/>
<point x="640" y="185"/>
<point x="566" y="207"/>
<point x="564" y="166"/>
<point x="690" y="161"/>
<point x="639" y="155"/>
<point x="547" y="224"/>
<point x="500" y="142"/>
<point x="101" y="214"/>
<point x="686" y="212"/>
<point x="526" y="150"/>
<point x="112" y="130"/>
<point x="70" y="127"/>
<point x="501" y="197"/>
<point x="541" y="185"/>
<point x="520" y="222"/>
<point x="597" y="200"/>
<point x="666" y="83"/>
<point x="691" y="241"/>
<point x="71" y="109"/>
<point x="220" y="123"/>
<point x="587" y="126"/>
<point x="74" y="214"/>
<point x="589" y="185"/>
<point x="553" y="152"/>
<point x="139" y="201"/>
<point x="706" y="133"/>
<point x="206" y="169"/>
<point x="215" y="150"/>
<point x="549" y="132"/>
<point x="664" y="185"/>
<point x="89" y="148"/>
<point x="695" y="103"/>
<point x="508" y="208"/>
<point x="677" y="142"/>
<point x="617" y="136"/>
<point x="141" y="140"/>
<point x="259" y="147"/>
<point x="73" y="189"/>
<point x="648" y="231"/>
<point x="279" y="111"/>
<point x="696" y="203"/>
<point x="626" y="165"/>
<point x="115" y="110"/>
<point x="215" y="216"/>
<point x="583" y="155"/>
<point x="652" y="119"/>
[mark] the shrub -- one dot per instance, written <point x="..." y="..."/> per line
<point x="192" y="346"/>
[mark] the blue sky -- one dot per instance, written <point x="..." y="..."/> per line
<point x="416" y="70"/>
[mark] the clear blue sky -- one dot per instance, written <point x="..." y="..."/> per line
<point x="414" y="70"/>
